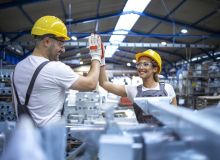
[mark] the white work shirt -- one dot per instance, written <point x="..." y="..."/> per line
<point x="48" y="94"/>
<point x="132" y="90"/>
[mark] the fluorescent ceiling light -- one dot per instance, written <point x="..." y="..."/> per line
<point x="163" y="43"/>
<point x="184" y="31"/>
<point x="136" y="5"/>
<point x="81" y="62"/>
<point x="128" y="64"/>
<point x="134" y="61"/>
<point x="110" y="50"/>
<point x="193" y="59"/>
<point x="126" y="22"/>
<point x="74" y="38"/>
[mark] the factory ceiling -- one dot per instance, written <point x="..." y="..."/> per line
<point x="161" y="21"/>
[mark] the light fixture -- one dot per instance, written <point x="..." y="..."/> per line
<point x="69" y="20"/>
<point x="126" y="22"/>
<point x="184" y="31"/>
<point x="110" y="50"/>
<point x="163" y="43"/>
<point x="134" y="61"/>
<point x="81" y="62"/>
<point x="128" y="64"/>
<point x="74" y="38"/>
<point x="194" y="59"/>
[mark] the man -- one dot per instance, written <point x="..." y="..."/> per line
<point x="45" y="105"/>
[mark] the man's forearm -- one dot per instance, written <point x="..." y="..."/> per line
<point x="102" y="77"/>
<point x="94" y="72"/>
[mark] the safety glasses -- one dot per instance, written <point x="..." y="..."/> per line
<point x="144" y="64"/>
<point x="62" y="43"/>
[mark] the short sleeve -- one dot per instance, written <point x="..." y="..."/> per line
<point x="64" y="75"/>
<point x="170" y="90"/>
<point x="131" y="92"/>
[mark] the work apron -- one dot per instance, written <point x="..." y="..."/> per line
<point x="141" y="116"/>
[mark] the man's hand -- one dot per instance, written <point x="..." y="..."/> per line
<point x="95" y="47"/>
<point x="103" y="56"/>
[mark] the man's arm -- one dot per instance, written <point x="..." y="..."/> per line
<point x="89" y="82"/>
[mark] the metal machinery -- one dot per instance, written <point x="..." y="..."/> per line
<point x="89" y="109"/>
<point x="186" y="135"/>
<point x="6" y="129"/>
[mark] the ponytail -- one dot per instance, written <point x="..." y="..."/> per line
<point x="156" y="78"/>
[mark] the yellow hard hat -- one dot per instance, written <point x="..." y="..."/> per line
<point x="152" y="54"/>
<point x="49" y="25"/>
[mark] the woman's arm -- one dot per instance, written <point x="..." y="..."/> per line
<point x="110" y="87"/>
<point x="174" y="101"/>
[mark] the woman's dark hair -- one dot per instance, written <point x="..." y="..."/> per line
<point x="155" y="64"/>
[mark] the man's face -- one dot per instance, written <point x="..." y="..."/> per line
<point x="56" y="48"/>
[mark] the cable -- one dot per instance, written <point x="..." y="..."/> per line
<point x="70" y="16"/>
<point x="21" y="19"/>
<point x="170" y="17"/>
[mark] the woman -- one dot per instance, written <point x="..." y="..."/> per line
<point x="148" y="66"/>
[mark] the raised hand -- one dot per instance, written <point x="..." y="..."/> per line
<point x="95" y="47"/>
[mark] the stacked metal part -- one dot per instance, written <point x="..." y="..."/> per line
<point x="7" y="112"/>
<point x="5" y="91"/>
<point x="86" y="103"/>
<point x="5" y="74"/>
<point x="207" y="101"/>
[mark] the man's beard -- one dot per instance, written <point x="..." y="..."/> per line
<point x="51" y="53"/>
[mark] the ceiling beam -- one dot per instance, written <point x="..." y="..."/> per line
<point x="19" y="3"/>
<point x="120" y="50"/>
<point x="168" y="15"/>
<point x="203" y="51"/>
<point x="202" y="19"/>
<point x="209" y="55"/>
<point x="64" y="11"/>
<point x="92" y="19"/>
<point x="169" y="63"/>
<point x="97" y="22"/>
<point x="135" y="34"/>
<point x="26" y="15"/>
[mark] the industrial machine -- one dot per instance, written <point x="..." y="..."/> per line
<point x="186" y="135"/>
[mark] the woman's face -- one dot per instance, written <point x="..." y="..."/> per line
<point x="145" y="68"/>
